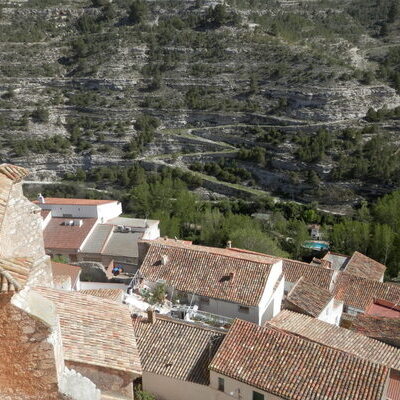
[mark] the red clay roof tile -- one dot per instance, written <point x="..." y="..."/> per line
<point x="294" y="368"/>
<point x="77" y="202"/>
<point x="365" y="267"/>
<point x="95" y="331"/>
<point x="358" y="292"/>
<point x="338" y="338"/>
<point x="57" y="235"/>
<point x="380" y="328"/>
<point x="176" y="349"/>
<point x="308" y="297"/>
<point x="207" y="271"/>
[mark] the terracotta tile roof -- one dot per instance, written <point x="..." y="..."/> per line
<point x="308" y="297"/>
<point x="294" y="368"/>
<point x="95" y="331"/>
<point x="110" y="294"/>
<point x="294" y="270"/>
<point x="59" y="236"/>
<point x="223" y="251"/>
<point x="7" y="282"/>
<point x="358" y="292"/>
<point x="365" y="267"/>
<point x="15" y="271"/>
<point x="60" y="269"/>
<point x="176" y="349"/>
<point x="338" y="338"/>
<point x="383" y="308"/>
<point x="384" y="329"/>
<point x="75" y="202"/>
<point x="13" y="172"/>
<point x="394" y="386"/>
<point x="207" y="271"/>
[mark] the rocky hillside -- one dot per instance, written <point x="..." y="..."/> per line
<point x="252" y="95"/>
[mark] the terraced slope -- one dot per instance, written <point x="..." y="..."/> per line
<point x="84" y="86"/>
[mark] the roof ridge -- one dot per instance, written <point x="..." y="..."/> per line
<point x="217" y="251"/>
<point x="13" y="172"/>
<point x="333" y="328"/>
<point x="168" y="319"/>
<point x="253" y="339"/>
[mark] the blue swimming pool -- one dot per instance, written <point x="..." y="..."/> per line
<point x="320" y="246"/>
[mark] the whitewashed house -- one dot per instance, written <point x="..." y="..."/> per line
<point x="312" y="300"/>
<point x="92" y="230"/>
<point x="183" y="361"/>
<point x="266" y="363"/>
<point x="102" y="210"/>
<point x="218" y="281"/>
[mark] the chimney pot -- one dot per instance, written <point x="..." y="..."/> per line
<point x="41" y="199"/>
<point x="229" y="244"/>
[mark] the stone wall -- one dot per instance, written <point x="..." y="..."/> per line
<point x="78" y="387"/>
<point x="41" y="273"/>
<point x="22" y="236"/>
<point x="28" y="369"/>
<point x="107" y="380"/>
<point x="21" y="230"/>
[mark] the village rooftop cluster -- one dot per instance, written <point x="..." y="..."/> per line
<point x="96" y="306"/>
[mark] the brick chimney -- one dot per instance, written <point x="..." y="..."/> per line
<point x="151" y="315"/>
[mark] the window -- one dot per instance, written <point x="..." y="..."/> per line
<point x="221" y="384"/>
<point x="244" y="310"/>
<point x="257" y="396"/>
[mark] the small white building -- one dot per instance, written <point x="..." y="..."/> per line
<point x="102" y="210"/>
<point x="315" y="231"/>
<point x="218" y="281"/>
<point x="92" y="230"/>
<point x="312" y="300"/>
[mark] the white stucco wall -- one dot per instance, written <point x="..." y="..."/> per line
<point x="102" y="285"/>
<point x="274" y="306"/>
<point x="227" y="309"/>
<point x="165" y="388"/>
<point x="288" y="286"/>
<point x="109" y="211"/>
<point x="332" y="312"/>
<point x="46" y="220"/>
<point x="151" y="233"/>
<point x="237" y="390"/>
<point x="270" y="303"/>
<point x="104" y="211"/>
